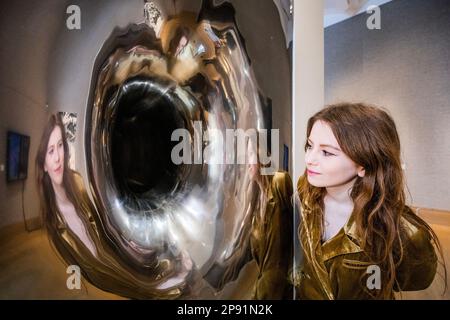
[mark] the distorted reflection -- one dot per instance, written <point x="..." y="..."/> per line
<point x="154" y="228"/>
<point x="265" y="233"/>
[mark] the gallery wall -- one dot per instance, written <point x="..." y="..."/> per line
<point x="404" y="67"/>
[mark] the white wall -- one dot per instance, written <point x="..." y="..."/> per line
<point x="308" y="82"/>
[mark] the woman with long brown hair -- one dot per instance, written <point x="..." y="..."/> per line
<point x="271" y="230"/>
<point x="266" y="232"/>
<point x="60" y="188"/>
<point x="359" y="238"/>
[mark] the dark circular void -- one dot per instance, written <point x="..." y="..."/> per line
<point x="141" y="146"/>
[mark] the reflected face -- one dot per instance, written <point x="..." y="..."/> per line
<point x="54" y="158"/>
<point x="327" y="165"/>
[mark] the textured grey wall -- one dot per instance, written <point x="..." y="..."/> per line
<point x="404" y="67"/>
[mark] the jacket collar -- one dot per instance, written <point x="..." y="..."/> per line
<point x="345" y="242"/>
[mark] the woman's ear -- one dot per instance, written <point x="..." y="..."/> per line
<point x="361" y="172"/>
<point x="45" y="168"/>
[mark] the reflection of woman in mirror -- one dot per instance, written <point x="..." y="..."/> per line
<point x="63" y="197"/>
<point x="265" y="234"/>
<point x="359" y="239"/>
<point x="76" y="231"/>
<point x="271" y="233"/>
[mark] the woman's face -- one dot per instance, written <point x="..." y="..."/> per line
<point x="327" y="165"/>
<point x="54" y="158"/>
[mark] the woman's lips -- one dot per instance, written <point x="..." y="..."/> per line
<point x="312" y="173"/>
<point x="58" y="170"/>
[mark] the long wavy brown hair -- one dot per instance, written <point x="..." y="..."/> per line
<point x="368" y="136"/>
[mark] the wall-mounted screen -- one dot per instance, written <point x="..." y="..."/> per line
<point x="17" y="156"/>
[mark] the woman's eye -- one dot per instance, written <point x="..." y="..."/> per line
<point x="307" y="146"/>
<point x="60" y="144"/>
<point x="50" y="152"/>
<point x="326" y="153"/>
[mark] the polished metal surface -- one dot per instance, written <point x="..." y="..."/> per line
<point x="183" y="67"/>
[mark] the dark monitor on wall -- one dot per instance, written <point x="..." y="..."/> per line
<point x="18" y="146"/>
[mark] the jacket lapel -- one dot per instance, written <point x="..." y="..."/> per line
<point x="313" y="245"/>
<point x="345" y="242"/>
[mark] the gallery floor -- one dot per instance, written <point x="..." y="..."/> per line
<point x="29" y="269"/>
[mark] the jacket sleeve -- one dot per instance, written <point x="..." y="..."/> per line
<point x="419" y="264"/>
<point x="277" y="255"/>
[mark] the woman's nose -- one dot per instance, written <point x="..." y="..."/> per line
<point x="311" y="157"/>
<point x="57" y="156"/>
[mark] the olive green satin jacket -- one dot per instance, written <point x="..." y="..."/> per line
<point x="271" y="241"/>
<point x="341" y="268"/>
